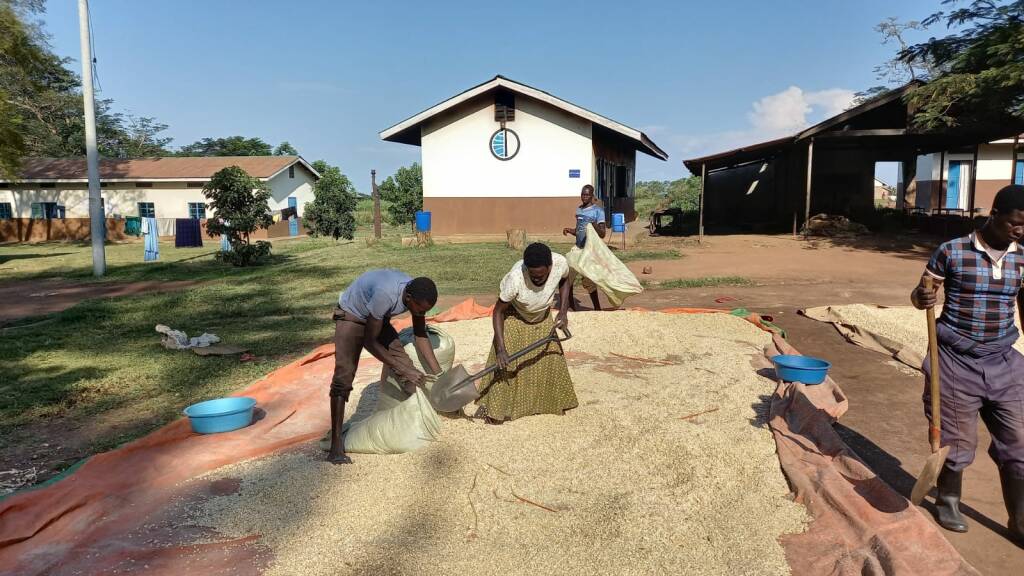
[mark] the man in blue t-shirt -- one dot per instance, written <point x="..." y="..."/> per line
<point x="363" y="320"/>
<point x="588" y="212"/>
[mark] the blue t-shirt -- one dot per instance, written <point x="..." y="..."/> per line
<point x="592" y="214"/>
<point x="376" y="293"/>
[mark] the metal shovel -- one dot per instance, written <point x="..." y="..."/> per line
<point x="933" y="465"/>
<point x="456" y="387"/>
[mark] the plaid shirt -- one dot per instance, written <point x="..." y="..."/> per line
<point x="981" y="293"/>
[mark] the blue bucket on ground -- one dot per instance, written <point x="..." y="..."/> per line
<point x="221" y="415"/>
<point x="422" y="221"/>
<point x="618" y="222"/>
<point x="796" y="368"/>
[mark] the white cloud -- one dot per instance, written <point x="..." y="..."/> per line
<point x="773" y="116"/>
<point x="787" y="112"/>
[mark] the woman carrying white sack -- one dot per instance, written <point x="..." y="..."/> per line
<point x="593" y="260"/>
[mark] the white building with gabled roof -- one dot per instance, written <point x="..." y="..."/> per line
<point x="505" y="155"/>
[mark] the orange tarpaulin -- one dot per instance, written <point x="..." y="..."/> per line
<point x="466" y="310"/>
<point x="861" y="525"/>
<point x="113" y="514"/>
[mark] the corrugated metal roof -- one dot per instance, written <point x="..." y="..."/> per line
<point x="162" y="168"/>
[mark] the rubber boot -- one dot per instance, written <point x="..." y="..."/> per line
<point x="1013" y="497"/>
<point x="947" y="500"/>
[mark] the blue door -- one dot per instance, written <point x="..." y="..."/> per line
<point x="293" y="224"/>
<point x="1018" y="173"/>
<point x="953" y="186"/>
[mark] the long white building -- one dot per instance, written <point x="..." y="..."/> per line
<point x="167" y="187"/>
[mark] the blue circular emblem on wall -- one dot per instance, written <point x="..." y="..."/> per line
<point x="504" y="144"/>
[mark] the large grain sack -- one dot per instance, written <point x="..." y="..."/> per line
<point x="403" y="428"/>
<point x="600" y="266"/>
<point x="397" y="432"/>
<point x="391" y="392"/>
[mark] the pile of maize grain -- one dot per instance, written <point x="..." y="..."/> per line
<point x="904" y="325"/>
<point x="625" y="484"/>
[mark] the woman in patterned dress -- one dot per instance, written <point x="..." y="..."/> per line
<point x="539" y="382"/>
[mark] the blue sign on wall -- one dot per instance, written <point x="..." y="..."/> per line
<point x="574" y="173"/>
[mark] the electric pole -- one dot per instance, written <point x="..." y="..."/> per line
<point x="97" y="222"/>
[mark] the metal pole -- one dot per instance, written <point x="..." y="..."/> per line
<point x="700" y="218"/>
<point x="810" y="165"/>
<point x="97" y="224"/>
<point x="376" y="204"/>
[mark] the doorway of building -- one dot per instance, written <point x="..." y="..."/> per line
<point x="886" y="185"/>
<point x="293" y="224"/>
<point x="958" y="185"/>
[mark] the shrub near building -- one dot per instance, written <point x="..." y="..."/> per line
<point x="239" y="203"/>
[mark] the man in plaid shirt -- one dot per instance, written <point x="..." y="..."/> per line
<point x="981" y="372"/>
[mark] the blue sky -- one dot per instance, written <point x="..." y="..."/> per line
<point x="329" y="76"/>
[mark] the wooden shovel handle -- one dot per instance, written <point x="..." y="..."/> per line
<point x="935" y="429"/>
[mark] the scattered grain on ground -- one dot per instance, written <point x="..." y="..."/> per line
<point x="620" y="485"/>
<point x="905" y="325"/>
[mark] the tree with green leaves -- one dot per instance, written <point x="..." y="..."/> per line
<point x="982" y="64"/>
<point x="41" y="100"/>
<point x="897" y="71"/>
<point x="683" y="193"/>
<point x="285" y="149"/>
<point x="230" y="146"/>
<point x="239" y="203"/>
<point x="331" y="213"/>
<point x="404" y="193"/>
<point x="137" y="137"/>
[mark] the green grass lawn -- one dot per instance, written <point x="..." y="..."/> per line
<point x="705" y="282"/>
<point x="103" y="356"/>
<point x="635" y="255"/>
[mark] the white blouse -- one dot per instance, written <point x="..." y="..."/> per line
<point x="532" y="302"/>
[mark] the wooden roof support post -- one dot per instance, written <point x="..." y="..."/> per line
<point x="700" y="218"/>
<point x="376" y="204"/>
<point x="942" y="182"/>
<point x="974" y="184"/>
<point x="1013" y="159"/>
<point x="909" y="180"/>
<point x="810" y="174"/>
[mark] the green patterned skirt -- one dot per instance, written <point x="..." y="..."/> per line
<point x="537" y="383"/>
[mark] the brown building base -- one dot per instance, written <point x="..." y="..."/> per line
<point x="67" y="230"/>
<point x="77" y="230"/>
<point x="493" y="216"/>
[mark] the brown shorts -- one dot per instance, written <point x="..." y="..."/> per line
<point x="348" y="345"/>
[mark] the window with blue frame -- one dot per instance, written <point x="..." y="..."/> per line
<point x="1018" y="173"/>
<point x="45" y="211"/>
<point x="5" y="211"/>
<point x="197" y="210"/>
<point x="147" y="210"/>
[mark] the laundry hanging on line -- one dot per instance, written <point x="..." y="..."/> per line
<point x="188" y="233"/>
<point x="151" y="244"/>
<point x="133" y="226"/>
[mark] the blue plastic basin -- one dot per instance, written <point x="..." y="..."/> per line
<point x="221" y="415"/>
<point x="796" y="368"/>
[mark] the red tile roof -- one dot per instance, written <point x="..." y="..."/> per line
<point x="163" y="168"/>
